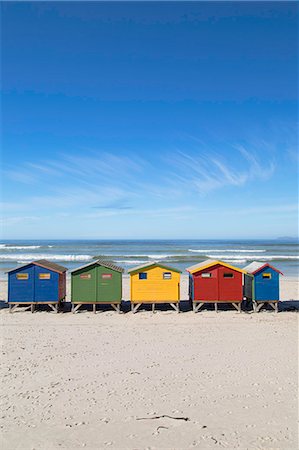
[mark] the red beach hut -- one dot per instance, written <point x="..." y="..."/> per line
<point x="213" y="281"/>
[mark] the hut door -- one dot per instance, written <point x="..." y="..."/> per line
<point x="230" y="285"/>
<point x="45" y="285"/>
<point x="21" y="285"/>
<point x="107" y="285"/>
<point x="206" y="285"/>
<point x="267" y="285"/>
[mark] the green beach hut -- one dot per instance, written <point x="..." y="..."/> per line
<point x="97" y="283"/>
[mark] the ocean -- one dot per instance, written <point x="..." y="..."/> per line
<point x="283" y="254"/>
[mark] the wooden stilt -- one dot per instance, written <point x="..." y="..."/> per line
<point x="175" y="306"/>
<point x="53" y="307"/>
<point x="32" y="307"/>
<point x="76" y="308"/>
<point x="136" y="307"/>
<point x="237" y="306"/>
<point x="116" y="307"/>
<point x="197" y="306"/>
<point x="94" y="308"/>
<point x="216" y="307"/>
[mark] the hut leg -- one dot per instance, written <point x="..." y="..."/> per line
<point x="200" y="305"/>
<point x="75" y="308"/>
<point x="175" y="307"/>
<point x="116" y="307"/>
<point x="237" y="306"/>
<point x="53" y="307"/>
<point x="197" y="307"/>
<point x="216" y="307"/>
<point x="194" y="306"/>
<point x="10" y="308"/>
<point x="135" y="308"/>
<point x="153" y="307"/>
<point x="259" y="307"/>
<point x="276" y="307"/>
<point x="94" y="308"/>
<point x="32" y="307"/>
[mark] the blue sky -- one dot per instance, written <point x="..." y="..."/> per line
<point x="149" y="120"/>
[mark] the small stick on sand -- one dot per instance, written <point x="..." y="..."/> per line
<point x="163" y="415"/>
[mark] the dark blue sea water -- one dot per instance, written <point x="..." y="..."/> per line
<point x="179" y="253"/>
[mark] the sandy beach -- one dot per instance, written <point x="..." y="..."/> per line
<point x="150" y="381"/>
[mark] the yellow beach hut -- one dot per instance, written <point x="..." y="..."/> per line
<point x="153" y="283"/>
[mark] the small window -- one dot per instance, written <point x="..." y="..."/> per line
<point x="85" y="276"/>
<point x="44" y="276"/>
<point x="142" y="276"/>
<point x="22" y="276"/>
<point x="267" y="275"/>
<point x="206" y="275"/>
<point x="106" y="276"/>
<point x="167" y="276"/>
<point x="228" y="275"/>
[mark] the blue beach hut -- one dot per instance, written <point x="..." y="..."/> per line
<point x="262" y="285"/>
<point x="38" y="282"/>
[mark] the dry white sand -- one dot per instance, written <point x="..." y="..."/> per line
<point x="97" y="381"/>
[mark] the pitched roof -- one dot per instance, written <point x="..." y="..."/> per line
<point x="42" y="263"/>
<point x="210" y="263"/>
<point x="257" y="266"/>
<point x="153" y="264"/>
<point x="99" y="262"/>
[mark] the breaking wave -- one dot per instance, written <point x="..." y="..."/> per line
<point x="20" y="247"/>
<point x="255" y="257"/>
<point x="35" y="256"/>
<point x="236" y="250"/>
<point x="125" y="261"/>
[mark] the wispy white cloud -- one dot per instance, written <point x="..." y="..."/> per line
<point x="256" y="169"/>
<point x="125" y="184"/>
<point x="205" y="171"/>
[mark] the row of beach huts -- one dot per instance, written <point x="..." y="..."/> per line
<point x="100" y="283"/>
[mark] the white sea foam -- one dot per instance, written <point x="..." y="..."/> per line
<point x="125" y="261"/>
<point x="255" y="257"/>
<point x="236" y="250"/>
<point x="236" y="261"/>
<point x="157" y="256"/>
<point x="34" y="256"/>
<point x="20" y="247"/>
<point x="160" y="256"/>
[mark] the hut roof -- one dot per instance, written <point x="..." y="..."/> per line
<point x="99" y="262"/>
<point x="210" y="263"/>
<point x="153" y="264"/>
<point x="257" y="266"/>
<point x="42" y="263"/>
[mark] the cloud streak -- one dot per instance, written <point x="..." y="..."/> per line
<point x="205" y="171"/>
<point x="126" y="183"/>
